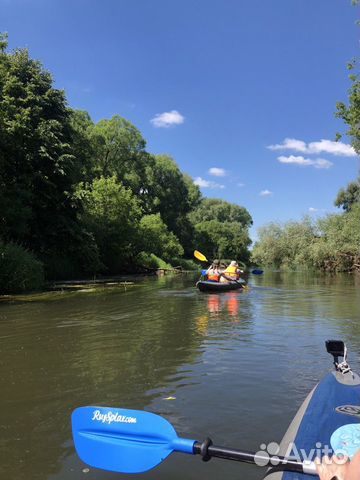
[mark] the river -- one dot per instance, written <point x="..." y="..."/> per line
<point x="233" y="366"/>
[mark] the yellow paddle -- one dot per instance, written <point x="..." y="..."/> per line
<point x="200" y="256"/>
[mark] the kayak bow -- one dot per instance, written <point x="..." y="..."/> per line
<point x="328" y="420"/>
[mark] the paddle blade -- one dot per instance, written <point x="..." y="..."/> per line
<point x="127" y="441"/>
<point x="257" y="271"/>
<point x="200" y="256"/>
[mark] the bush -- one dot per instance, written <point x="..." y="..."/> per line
<point x="155" y="237"/>
<point x="78" y="259"/>
<point x="20" y="270"/>
<point x="150" y="260"/>
<point x="186" y="264"/>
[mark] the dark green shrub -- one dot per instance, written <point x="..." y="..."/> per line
<point x="20" y="270"/>
<point x="149" y="260"/>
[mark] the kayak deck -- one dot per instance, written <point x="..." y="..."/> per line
<point x="319" y="417"/>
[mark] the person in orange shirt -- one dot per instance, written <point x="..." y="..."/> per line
<point x="213" y="272"/>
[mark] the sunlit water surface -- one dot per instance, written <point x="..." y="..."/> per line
<point x="236" y="366"/>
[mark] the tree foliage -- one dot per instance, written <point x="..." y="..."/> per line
<point x="349" y="196"/>
<point x="350" y="112"/>
<point x="87" y="197"/>
<point x="221" y="211"/>
<point x="329" y="243"/>
<point x="38" y="170"/>
<point x="112" y="214"/>
<point x="20" y="270"/>
<point x="173" y="195"/>
<point x="156" y="238"/>
<point x="223" y="239"/>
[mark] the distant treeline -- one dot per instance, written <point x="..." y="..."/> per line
<point x="330" y="243"/>
<point x="79" y="198"/>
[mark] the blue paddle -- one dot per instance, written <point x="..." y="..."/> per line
<point x="257" y="271"/>
<point x="132" y="441"/>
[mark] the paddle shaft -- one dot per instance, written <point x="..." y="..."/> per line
<point x="279" y="463"/>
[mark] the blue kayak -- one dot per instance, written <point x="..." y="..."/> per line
<point x="328" y="418"/>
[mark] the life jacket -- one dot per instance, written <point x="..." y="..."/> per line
<point x="232" y="272"/>
<point x="214" y="277"/>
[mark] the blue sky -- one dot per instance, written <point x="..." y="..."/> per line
<point x="213" y="83"/>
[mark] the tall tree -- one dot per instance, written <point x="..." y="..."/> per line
<point x="36" y="164"/>
<point x="226" y="240"/>
<point x="221" y="211"/>
<point x="173" y="195"/>
<point x="119" y="149"/>
<point x="156" y="238"/>
<point x="82" y="144"/>
<point x="112" y="214"/>
<point x="350" y="112"/>
<point x="348" y="196"/>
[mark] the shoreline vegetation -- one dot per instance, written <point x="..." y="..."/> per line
<point x="55" y="290"/>
<point x="81" y="199"/>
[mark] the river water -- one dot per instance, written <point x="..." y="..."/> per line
<point x="233" y="366"/>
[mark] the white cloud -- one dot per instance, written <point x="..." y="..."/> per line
<point x="201" y="182"/>
<point x="324" y="146"/>
<point x="239" y="184"/>
<point x="313" y="210"/>
<point x="290" y="144"/>
<point x="335" y="148"/>
<point x="167" y="119"/>
<point x="217" y="172"/>
<point x="265" y="193"/>
<point x="305" y="162"/>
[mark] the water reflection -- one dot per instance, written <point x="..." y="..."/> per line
<point x="116" y="349"/>
<point x="229" y="302"/>
<point x="235" y="365"/>
<point x="214" y="304"/>
<point x="233" y="304"/>
<point x="224" y="305"/>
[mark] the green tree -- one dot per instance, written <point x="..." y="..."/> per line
<point x="348" y="196"/>
<point x="340" y="240"/>
<point x="173" y="195"/>
<point x="221" y="229"/>
<point x="82" y="144"/>
<point x="112" y="213"/>
<point x="156" y="238"/>
<point x="221" y="211"/>
<point x="268" y="250"/>
<point x="223" y="239"/>
<point x="350" y="112"/>
<point x="119" y="149"/>
<point x="330" y="243"/>
<point x="38" y="171"/>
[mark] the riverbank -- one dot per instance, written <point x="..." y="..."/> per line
<point x="53" y="290"/>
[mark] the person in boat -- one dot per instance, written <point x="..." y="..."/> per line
<point x="213" y="272"/>
<point x="231" y="273"/>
